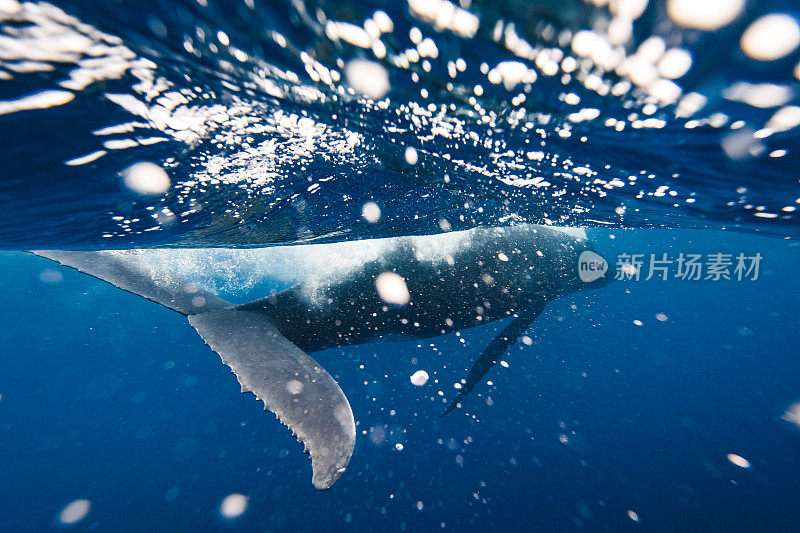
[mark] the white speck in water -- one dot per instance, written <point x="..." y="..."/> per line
<point x="633" y="515"/>
<point x="411" y="155"/>
<point x="88" y="158"/>
<point x="419" y="378"/>
<point x="446" y="15"/>
<point x="377" y="434"/>
<point x="233" y="506"/>
<point x="350" y="33"/>
<point x="675" y="63"/>
<point x="511" y="73"/>
<point x="502" y="256"/>
<point x="638" y="322"/>
<point x="742" y="144"/>
<point x="50" y="276"/>
<point x="371" y="212"/>
<point x="392" y="288"/>
<point x="74" y="511"/>
<point x="791" y="415"/>
<point x="294" y="386"/>
<point x="384" y="22"/>
<point x="704" y="15"/>
<point x="771" y="37"/>
<point x="146" y="178"/>
<point x="367" y="77"/>
<point x="661" y="317"/>
<point x="738" y="460"/>
<point x="761" y="95"/>
<point x="398" y="447"/>
<point x="784" y="119"/>
<point x="628" y="9"/>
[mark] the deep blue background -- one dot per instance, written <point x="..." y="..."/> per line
<point x="111" y="398"/>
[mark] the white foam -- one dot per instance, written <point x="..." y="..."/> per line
<point x="578" y="233"/>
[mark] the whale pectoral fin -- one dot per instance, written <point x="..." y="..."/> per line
<point x="289" y="382"/>
<point x="499" y="345"/>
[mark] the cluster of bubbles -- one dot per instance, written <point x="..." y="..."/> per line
<point x="541" y="116"/>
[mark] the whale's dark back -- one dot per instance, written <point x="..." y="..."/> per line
<point x="489" y="274"/>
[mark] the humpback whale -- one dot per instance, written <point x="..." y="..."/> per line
<point x="438" y="284"/>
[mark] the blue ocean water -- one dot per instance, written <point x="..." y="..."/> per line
<point x="111" y="398"/>
<point x="197" y="126"/>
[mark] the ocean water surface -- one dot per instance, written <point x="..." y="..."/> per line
<point x="249" y="145"/>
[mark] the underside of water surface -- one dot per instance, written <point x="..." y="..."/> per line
<point x="200" y="123"/>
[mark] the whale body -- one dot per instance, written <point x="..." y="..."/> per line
<point x="446" y="283"/>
